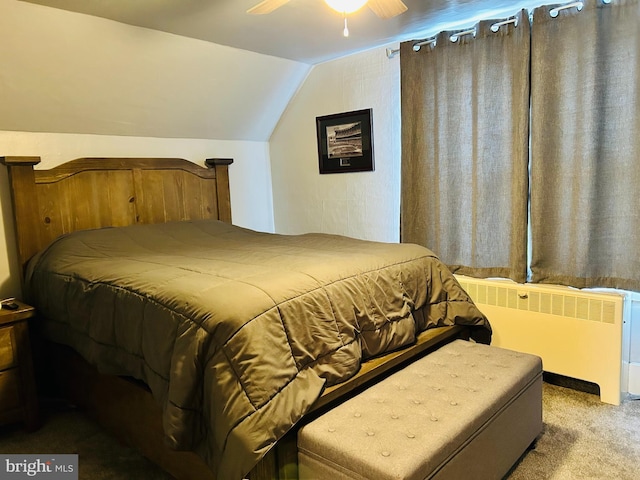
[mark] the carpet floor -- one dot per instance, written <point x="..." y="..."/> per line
<point x="583" y="439"/>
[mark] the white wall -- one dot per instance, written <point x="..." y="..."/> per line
<point x="364" y="204"/>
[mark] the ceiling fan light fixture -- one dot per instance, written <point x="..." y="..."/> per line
<point x="346" y="6"/>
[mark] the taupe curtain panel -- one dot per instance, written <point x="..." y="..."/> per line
<point x="465" y="126"/>
<point x="464" y="140"/>
<point x="585" y="149"/>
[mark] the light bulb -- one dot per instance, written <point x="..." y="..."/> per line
<point x="346" y="6"/>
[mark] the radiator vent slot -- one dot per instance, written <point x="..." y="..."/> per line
<point x="562" y="304"/>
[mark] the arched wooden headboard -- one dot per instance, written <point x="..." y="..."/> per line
<point x="104" y="192"/>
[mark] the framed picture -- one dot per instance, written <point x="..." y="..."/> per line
<point x="345" y="142"/>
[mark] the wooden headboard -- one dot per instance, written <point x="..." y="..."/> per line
<point x="108" y="192"/>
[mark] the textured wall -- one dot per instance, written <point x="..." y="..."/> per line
<point x="365" y="204"/>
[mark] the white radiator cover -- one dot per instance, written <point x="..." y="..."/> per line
<point x="581" y="334"/>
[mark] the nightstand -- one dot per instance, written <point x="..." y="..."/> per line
<point x="18" y="398"/>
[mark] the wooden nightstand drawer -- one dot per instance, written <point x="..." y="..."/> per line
<point x="8" y="356"/>
<point x="9" y="390"/>
<point x="18" y="396"/>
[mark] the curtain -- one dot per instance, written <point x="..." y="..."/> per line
<point x="585" y="145"/>
<point x="465" y="129"/>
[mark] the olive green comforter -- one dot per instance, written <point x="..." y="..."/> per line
<point x="237" y="332"/>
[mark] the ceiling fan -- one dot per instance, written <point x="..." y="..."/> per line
<point x="382" y="8"/>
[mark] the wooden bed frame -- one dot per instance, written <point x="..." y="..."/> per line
<point x="102" y="192"/>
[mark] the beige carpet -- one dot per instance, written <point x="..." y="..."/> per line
<point x="582" y="439"/>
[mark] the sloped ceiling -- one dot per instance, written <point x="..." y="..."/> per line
<point x="186" y="68"/>
<point x="306" y="31"/>
<point x="65" y="72"/>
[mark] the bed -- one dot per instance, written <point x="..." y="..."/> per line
<point x="134" y="264"/>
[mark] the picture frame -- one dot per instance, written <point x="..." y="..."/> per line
<point x="345" y="142"/>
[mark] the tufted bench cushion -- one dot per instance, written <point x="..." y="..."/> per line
<point x="464" y="411"/>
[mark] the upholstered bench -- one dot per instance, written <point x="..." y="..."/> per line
<point x="465" y="411"/>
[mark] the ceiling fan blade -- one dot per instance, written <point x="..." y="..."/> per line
<point x="266" y="6"/>
<point x="387" y="8"/>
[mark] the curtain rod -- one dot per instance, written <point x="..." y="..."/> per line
<point x="555" y="11"/>
<point x="391" y="52"/>
<point x="454" y="36"/>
